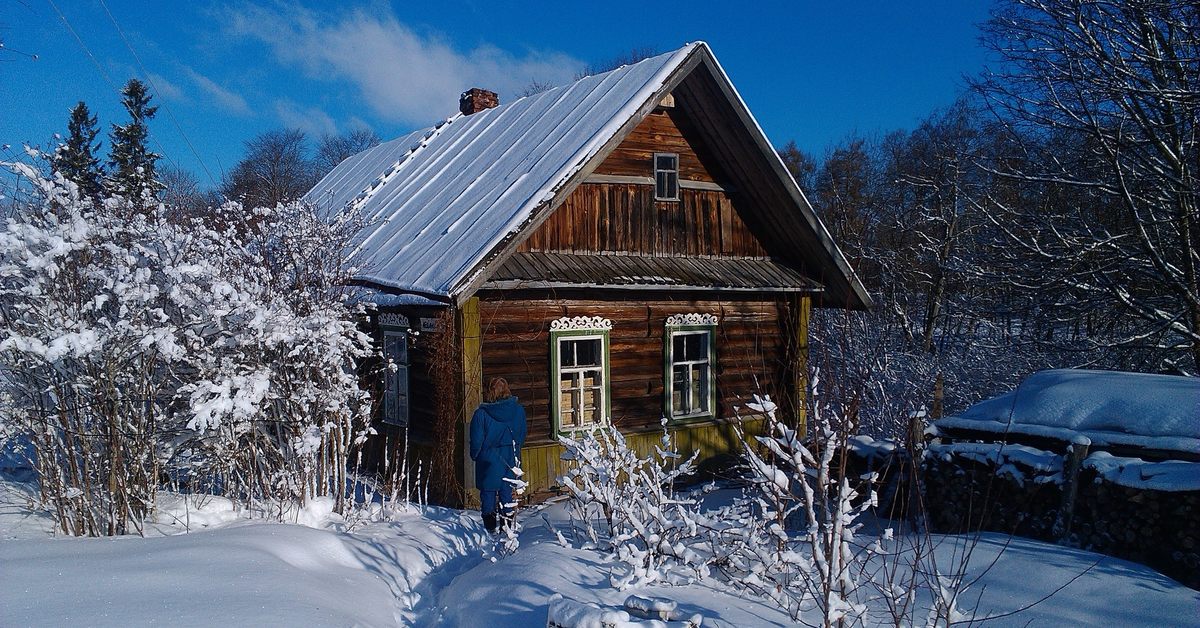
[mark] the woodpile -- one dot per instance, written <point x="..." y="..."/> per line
<point x="1156" y="528"/>
<point x="1160" y="529"/>
<point x="964" y="496"/>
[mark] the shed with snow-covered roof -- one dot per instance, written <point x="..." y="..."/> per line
<point x="621" y="249"/>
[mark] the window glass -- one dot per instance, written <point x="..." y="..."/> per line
<point x="690" y="386"/>
<point x="395" y="393"/>
<point x="678" y="389"/>
<point x="666" y="176"/>
<point x="587" y="352"/>
<point x="581" y="386"/>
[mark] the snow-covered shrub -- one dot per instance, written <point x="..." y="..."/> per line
<point x="799" y="547"/>
<point x="647" y="524"/>
<point x="212" y="352"/>
<point x="274" y="403"/>
<point x="802" y="532"/>
<point x="511" y="530"/>
<point x="790" y="537"/>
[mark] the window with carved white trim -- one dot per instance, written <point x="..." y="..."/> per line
<point x="689" y="362"/>
<point x="579" y="372"/>
<point x="395" y="388"/>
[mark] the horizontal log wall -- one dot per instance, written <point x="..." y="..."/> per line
<point x="750" y="344"/>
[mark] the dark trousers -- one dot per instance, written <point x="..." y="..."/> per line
<point x="491" y="500"/>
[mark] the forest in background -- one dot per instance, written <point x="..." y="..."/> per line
<point x="1047" y="218"/>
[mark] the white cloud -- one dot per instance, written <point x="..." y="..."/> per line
<point x="403" y="75"/>
<point x="225" y="99"/>
<point x="165" y="89"/>
<point x="311" y="120"/>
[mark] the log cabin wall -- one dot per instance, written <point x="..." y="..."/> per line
<point x="390" y="440"/>
<point x="750" y="346"/>
<point x="622" y="216"/>
<point x="664" y="131"/>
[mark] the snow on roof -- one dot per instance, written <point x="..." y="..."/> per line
<point x="1103" y="407"/>
<point x="379" y="298"/>
<point x="439" y="200"/>
<point x="1169" y="475"/>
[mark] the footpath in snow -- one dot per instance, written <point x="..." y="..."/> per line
<point x="232" y="571"/>
<point x="436" y="567"/>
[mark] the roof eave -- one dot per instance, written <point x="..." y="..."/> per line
<point x="861" y="299"/>
<point x="474" y="279"/>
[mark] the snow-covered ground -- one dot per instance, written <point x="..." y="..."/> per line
<point x="434" y="566"/>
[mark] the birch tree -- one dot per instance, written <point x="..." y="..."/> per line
<point x="1103" y="100"/>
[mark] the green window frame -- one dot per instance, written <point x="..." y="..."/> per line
<point x="689" y="367"/>
<point x="580" y="395"/>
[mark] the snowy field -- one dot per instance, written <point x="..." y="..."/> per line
<point x="437" y="567"/>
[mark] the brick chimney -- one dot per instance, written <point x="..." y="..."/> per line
<point x="475" y="100"/>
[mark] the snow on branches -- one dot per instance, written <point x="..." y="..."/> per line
<point x="795" y="531"/>
<point x="212" y="351"/>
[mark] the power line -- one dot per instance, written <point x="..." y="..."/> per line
<point x="108" y="79"/>
<point x="154" y="87"/>
<point x="86" y="50"/>
<point x="6" y="48"/>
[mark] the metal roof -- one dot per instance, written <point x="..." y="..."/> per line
<point x="439" y="200"/>
<point x="446" y="206"/>
<point x="568" y="270"/>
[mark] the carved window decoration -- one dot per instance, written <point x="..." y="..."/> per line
<point x="666" y="177"/>
<point x="579" y="372"/>
<point x="689" y="359"/>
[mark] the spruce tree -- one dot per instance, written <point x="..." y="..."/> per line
<point x="131" y="160"/>
<point x="76" y="159"/>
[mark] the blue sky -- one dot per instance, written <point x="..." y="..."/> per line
<point x="812" y="72"/>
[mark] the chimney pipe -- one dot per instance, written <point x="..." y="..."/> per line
<point x="475" y="100"/>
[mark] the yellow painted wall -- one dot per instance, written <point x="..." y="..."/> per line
<point x="543" y="465"/>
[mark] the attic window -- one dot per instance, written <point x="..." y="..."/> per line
<point x="666" y="177"/>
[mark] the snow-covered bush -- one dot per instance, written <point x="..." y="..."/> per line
<point x="795" y="535"/>
<point x="647" y="524"/>
<point x="511" y="529"/>
<point x="801" y="549"/>
<point x="213" y="352"/>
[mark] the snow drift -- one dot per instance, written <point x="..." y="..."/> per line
<point x="1104" y="407"/>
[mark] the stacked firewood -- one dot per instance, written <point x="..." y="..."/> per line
<point x="962" y="496"/>
<point x="1157" y="528"/>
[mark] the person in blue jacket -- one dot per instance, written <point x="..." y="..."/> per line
<point x="497" y="435"/>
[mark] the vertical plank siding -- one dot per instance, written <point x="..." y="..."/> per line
<point x="543" y="464"/>
<point x="624" y="217"/>
<point x="611" y="217"/>
<point x="471" y="343"/>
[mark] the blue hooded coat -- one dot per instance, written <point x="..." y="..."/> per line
<point x="497" y="435"/>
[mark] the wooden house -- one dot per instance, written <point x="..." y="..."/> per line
<point x="622" y="249"/>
